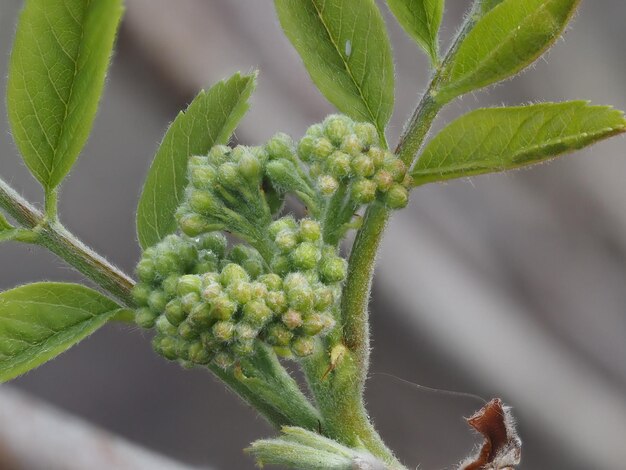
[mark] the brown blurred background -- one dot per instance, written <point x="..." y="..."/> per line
<point x="509" y="285"/>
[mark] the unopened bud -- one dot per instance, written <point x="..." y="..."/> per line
<point x="337" y="127"/>
<point x="397" y="197"/>
<point x="333" y="269"/>
<point x="364" y="191"/>
<point x="327" y="185"/>
<point x="303" y="346"/>
<point x="305" y="256"/>
<point x="145" y="318"/>
<point x="292" y="319"/>
<point x="366" y="133"/>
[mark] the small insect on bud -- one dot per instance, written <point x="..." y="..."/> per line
<point x="310" y="230"/>
<point x="305" y="256"/>
<point x="364" y="191"/>
<point x="145" y="318"/>
<point x="303" y="346"/>
<point x="362" y="165"/>
<point x="257" y="313"/>
<point x="339" y="164"/>
<point x="366" y="133"/>
<point x="292" y="319"/>
<point x="333" y="269"/>
<point x="327" y="185"/>
<point x="224" y="331"/>
<point x="322" y="148"/>
<point x="232" y="273"/>
<point x="397" y="197"/>
<point x="223" y="308"/>
<point x="278" y="335"/>
<point x="280" y="146"/>
<point x="140" y="293"/>
<point x="286" y="240"/>
<point x="174" y="312"/>
<point x="336" y="127"/>
<point x="351" y="145"/>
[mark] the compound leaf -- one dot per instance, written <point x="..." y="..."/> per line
<point x="57" y="70"/>
<point x="511" y="36"/>
<point x="40" y="321"/>
<point x="498" y="139"/>
<point x="421" y="20"/>
<point x="345" y="47"/>
<point x="209" y="120"/>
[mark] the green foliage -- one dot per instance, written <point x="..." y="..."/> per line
<point x="346" y="50"/>
<point x="210" y="119"/>
<point x="421" y="20"/>
<point x="487" y="5"/>
<point x="491" y="140"/>
<point x="299" y="448"/>
<point x="56" y="76"/>
<point x="40" y="321"/>
<point x="506" y="40"/>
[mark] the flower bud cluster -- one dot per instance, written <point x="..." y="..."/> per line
<point x="341" y="151"/>
<point x="210" y="307"/>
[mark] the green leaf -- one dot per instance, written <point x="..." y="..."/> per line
<point x="209" y="120"/>
<point x="488" y="5"/>
<point x="40" y="321"/>
<point x="421" y="20"/>
<point x="56" y="76"/>
<point x="506" y="40"/>
<point x="346" y="50"/>
<point x="498" y="139"/>
<point x="4" y="223"/>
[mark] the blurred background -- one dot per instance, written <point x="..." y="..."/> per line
<point x="507" y="285"/>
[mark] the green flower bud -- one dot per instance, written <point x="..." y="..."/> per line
<point x="383" y="180"/>
<point x="188" y="284"/>
<point x="324" y="298"/>
<point x="223" y="308"/>
<point x="303" y="346"/>
<point x="278" y="335"/>
<point x="256" y="313"/>
<point x="305" y="147"/>
<point x="245" y="332"/>
<point x="200" y="315"/>
<point x="165" y="327"/>
<point x="232" y="273"/>
<point x="211" y="291"/>
<point x="193" y="225"/>
<point x="352" y="145"/>
<point x="202" y="177"/>
<point x="284" y="223"/>
<point x="140" y="293"/>
<point x="316" y="169"/>
<point x="280" y="146"/>
<point x="301" y="299"/>
<point x="377" y="155"/>
<point x="145" y="318"/>
<point x="259" y="290"/>
<point x="228" y="176"/>
<point x="189" y="301"/>
<point x="280" y="264"/>
<point x="316" y="323"/>
<point x="169" y="285"/>
<point x="204" y="202"/>
<point x="243" y="347"/>
<point x="286" y="240"/>
<point x="250" y="167"/>
<point x="223" y="360"/>
<point x="310" y="230"/>
<point x="316" y="130"/>
<point x="254" y="267"/>
<point x="305" y="256"/>
<point x="322" y="149"/>
<point x="145" y="271"/>
<point x="240" y="292"/>
<point x="272" y="281"/>
<point x="157" y="300"/>
<point x="218" y="154"/>
<point x="327" y="185"/>
<point x="397" y="197"/>
<point x="165" y="346"/>
<point x="367" y="134"/>
<point x="362" y="165"/>
<point x="276" y="301"/>
<point x="295" y="281"/>
<point x="292" y="319"/>
<point x="396" y="167"/>
<point x="224" y="331"/>
<point x="187" y="331"/>
<point x="197" y="161"/>
<point x="207" y="262"/>
<point x="337" y="127"/>
<point x="214" y="242"/>
<point x="174" y="312"/>
<point x="339" y="164"/>
<point x="364" y="191"/>
<point x="333" y="269"/>
<point x="197" y="354"/>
